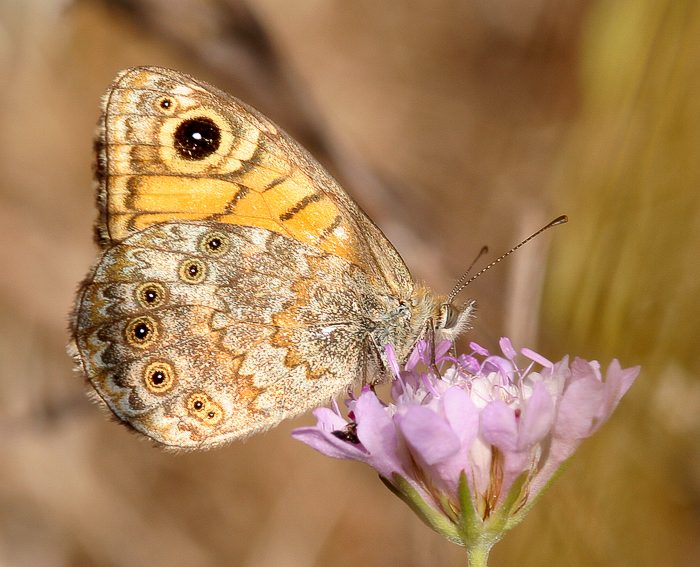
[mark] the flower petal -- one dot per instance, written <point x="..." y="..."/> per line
<point x="617" y="382"/>
<point x="328" y="420"/>
<point x="329" y="444"/>
<point x="391" y="360"/>
<point x="428" y="434"/>
<point x="461" y="413"/>
<point x="377" y="433"/>
<point x="322" y="439"/>
<point x="579" y="405"/>
<point x="498" y="426"/>
<point x="463" y="417"/>
<point x="537" y="417"/>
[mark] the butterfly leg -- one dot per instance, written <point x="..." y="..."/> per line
<point x="430" y="339"/>
<point x="373" y="350"/>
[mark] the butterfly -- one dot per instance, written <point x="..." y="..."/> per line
<point x="238" y="284"/>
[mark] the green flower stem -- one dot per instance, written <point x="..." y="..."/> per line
<point x="478" y="554"/>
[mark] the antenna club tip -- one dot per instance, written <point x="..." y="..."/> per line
<point x="562" y="219"/>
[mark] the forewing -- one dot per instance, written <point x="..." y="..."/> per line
<point x="245" y="171"/>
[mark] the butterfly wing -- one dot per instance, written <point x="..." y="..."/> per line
<point x="171" y="148"/>
<point x="239" y="284"/>
<point x="199" y="333"/>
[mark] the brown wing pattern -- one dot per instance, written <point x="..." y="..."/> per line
<point x="199" y="333"/>
<point x="242" y="169"/>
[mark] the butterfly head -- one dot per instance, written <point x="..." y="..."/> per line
<point x="451" y="320"/>
<point x="448" y="320"/>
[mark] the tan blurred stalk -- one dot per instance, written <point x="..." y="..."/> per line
<point x="624" y="276"/>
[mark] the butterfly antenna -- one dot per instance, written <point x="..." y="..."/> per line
<point x="462" y="284"/>
<point x="459" y="285"/>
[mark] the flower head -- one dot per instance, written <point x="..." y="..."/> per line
<point x="469" y="441"/>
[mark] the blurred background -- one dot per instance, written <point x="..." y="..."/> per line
<point x="454" y="124"/>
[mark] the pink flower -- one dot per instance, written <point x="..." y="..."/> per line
<point x="470" y="441"/>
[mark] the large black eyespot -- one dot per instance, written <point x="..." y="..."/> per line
<point x="197" y="138"/>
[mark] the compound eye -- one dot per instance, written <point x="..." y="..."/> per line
<point x="448" y="316"/>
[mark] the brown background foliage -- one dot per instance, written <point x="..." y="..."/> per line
<point x="454" y="124"/>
